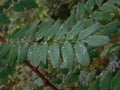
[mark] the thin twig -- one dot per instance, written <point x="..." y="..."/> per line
<point x="35" y="70"/>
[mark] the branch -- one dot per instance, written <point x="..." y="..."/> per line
<point x="35" y="70"/>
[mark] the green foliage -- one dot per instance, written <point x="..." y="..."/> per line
<point x="4" y="19"/>
<point x="68" y="46"/>
<point x="115" y="81"/>
<point x="82" y="54"/>
<point x="94" y="85"/>
<point x="29" y="3"/>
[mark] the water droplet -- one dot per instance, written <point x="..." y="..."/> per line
<point x="19" y="47"/>
<point x="48" y="38"/>
<point x="30" y="52"/>
<point x="71" y="38"/>
<point x="77" y="55"/>
<point x="45" y="42"/>
<point x="37" y="39"/>
<point x="48" y="51"/>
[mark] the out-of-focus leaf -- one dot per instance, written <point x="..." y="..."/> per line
<point x="72" y="77"/>
<point x="7" y="4"/>
<point x="4" y="19"/>
<point x="81" y="88"/>
<point x="82" y="54"/>
<point x="5" y="49"/>
<point x="97" y="40"/>
<point x="18" y="7"/>
<point x="105" y="82"/>
<point x="54" y="54"/>
<point x="29" y="4"/>
<point x="94" y="85"/>
<point x="116" y="2"/>
<point x="67" y="54"/>
<point x="98" y="2"/>
<point x="56" y="80"/>
<point x="64" y="70"/>
<point x="111" y="28"/>
<point x="13" y="54"/>
<point x="115" y="83"/>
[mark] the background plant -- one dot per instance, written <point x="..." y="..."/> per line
<point x="80" y="52"/>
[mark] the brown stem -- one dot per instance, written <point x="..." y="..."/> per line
<point x="35" y="70"/>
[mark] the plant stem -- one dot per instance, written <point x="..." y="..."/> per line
<point x="45" y="80"/>
<point x="35" y="70"/>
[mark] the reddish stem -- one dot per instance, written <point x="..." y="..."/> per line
<point x="46" y="82"/>
<point x="35" y="70"/>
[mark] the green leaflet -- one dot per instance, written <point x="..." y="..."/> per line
<point x="72" y="77"/>
<point x="57" y="81"/>
<point x="97" y="40"/>
<point x="18" y="7"/>
<point x="107" y="49"/>
<point x="81" y="88"/>
<point x="50" y="33"/>
<point x="22" y="53"/>
<point x="94" y="85"/>
<point x="29" y="4"/>
<point x="98" y="2"/>
<point x="111" y="28"/>
<point x="54" y="54"/>
<point x="1" y="9"/>
<point x="37" y="53"/>
<point x="80" y="11"/>
<point x="61" y="32"/>
<point x="29" y="34"/>
<point x="82" y="54"/>
<point x="43" y="49"/>
<point x="115" y="83"/>
<point x="4" y="50"/>
<point x="70" y="22"/>
<point x="34" y="55"/>
<point x="89" y="6"/>
<point x="79" y="26"/>
<point x="13" y="54"/>
<point x="116" y="2"/>
<point x="4" y="19"/>
<point x="64" y="70"/>
<point x="90" y="30"/>
<point x="109" y="8"/>
<point x="26" y="33"/>
<point x="8" y="70"/>
<point x="101" y="16"/>
<point x="44" y="27"/>
<point x="7" y="4"/>
<point x="67" y="54"/>
<point x="105" y="82"/>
